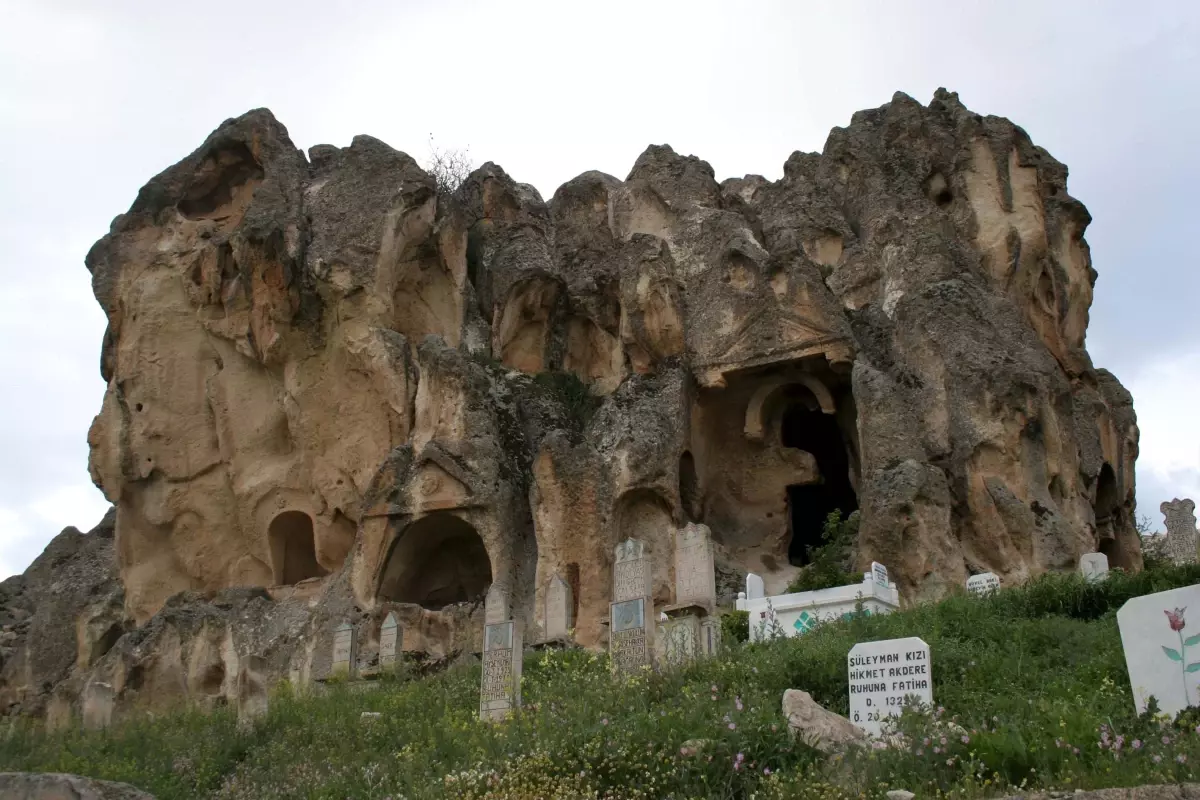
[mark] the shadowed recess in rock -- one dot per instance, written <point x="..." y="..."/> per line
<point x="805" y="427"/>
<point x="436" y="561"/>
<point x="293" y="551"/>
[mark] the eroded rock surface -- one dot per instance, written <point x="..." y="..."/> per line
<point x="329" y="381"/>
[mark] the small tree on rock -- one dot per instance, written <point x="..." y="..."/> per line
<point x="449" y="167"/>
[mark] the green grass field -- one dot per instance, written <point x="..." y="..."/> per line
<point x="1034" y="676"/>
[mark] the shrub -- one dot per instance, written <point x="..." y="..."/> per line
<point x="578" y="403"/>
<point x="735" y="626"/>
<point x="829" y="564"/>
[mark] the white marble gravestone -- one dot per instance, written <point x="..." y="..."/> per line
<point x="695" y="575"/>
<point x="879" y="574"/>
<point x="500" y="683"/>
<point x="1181" y="530"/>
<point x="983" y="584"/>
<point x="1161" y="636"/>
<point x="1093" y="566"/>
<point x="631" y="571"/>
<point x="344" y="655"/>
<point x="559" y="609"/>
<point x="883" y="675"/>
<point x="391" y="641"/>
<point x="755" y="588"/>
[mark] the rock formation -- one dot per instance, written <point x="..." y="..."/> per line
<point x="329" y="380"/>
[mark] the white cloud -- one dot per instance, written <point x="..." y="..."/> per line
<point x="1165" y="394"/>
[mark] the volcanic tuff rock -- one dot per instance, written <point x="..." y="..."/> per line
<point x="329" y="379"/>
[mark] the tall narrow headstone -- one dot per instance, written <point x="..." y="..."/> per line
<point x="500" y="684"/>
<point x="344" y="655"/>
<point x="97" y="702"/>
<point x="695" y="575"/>
<point x="390" y="641"/>
<point x="631" y="571"/>
<point x="883" y="676"/>
<point x="559" y="608"/>
<point x="252" y="695"/>
<point x="1093" y="566"/>
<point x="755" y="588"/>
<point x="879" y="574"/>
<point x="1160" y="634"/>
<point x="1181" y="530"/>
<point x="631" y="615"/>
<point x="983" y="584"/>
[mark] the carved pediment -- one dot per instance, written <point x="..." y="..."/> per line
<point x="770" y="335"/>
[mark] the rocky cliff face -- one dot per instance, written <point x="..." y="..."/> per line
<point x="329" y="379"/>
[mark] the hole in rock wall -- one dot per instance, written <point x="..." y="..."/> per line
<point x="805" y="427"/>
<point x="1108" y="515"/>
<point x="218" y="179"/>
<point x="689" y="487"/>
<point x="293" y="548"/>
<point x="436" y="561"/>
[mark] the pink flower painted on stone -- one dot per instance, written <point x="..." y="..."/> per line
<point x="1175" y="618"/>
<point x="1178" y="623"/>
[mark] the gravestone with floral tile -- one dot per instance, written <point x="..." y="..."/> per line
<point x="1160" y="634"/>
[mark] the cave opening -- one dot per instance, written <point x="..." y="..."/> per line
<point x="1107" y="509"/>
<point x="689" y="487"/>
<point x="293" y="548"/>
<point x="435" y="562"/>
<point x="805" y="426"/>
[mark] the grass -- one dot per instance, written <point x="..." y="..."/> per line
<point x="1031" y="682"/>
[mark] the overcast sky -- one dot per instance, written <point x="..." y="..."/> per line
<point x="97" y="97"/>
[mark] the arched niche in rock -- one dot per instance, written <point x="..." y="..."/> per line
<point x="293" y="548"/>
<point x="436" y="561"/>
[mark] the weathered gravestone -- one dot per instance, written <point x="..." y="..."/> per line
<point x="685" y="633"/>
<point x="343" y="650"/>
<point x="252" y="695"/>
<point x="500" y="685"/>
<point x="1181" y="530"/>
<point x="391" y="641"/>
<point x="695" y="575"/>
<point x="1093" y="566"/>
<point x="1162" y="648"/>
<point x="755" y="588"/>
<point x="559" y="608"/>
<point x="879" y="574"/>
<point x="983" y="584"/>
<point x="97" y="701"/>
<point x="883" y="676"/>
<point x="631" y="614"/>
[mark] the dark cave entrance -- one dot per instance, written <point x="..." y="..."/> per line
<point x="293" y="548"/>
<point x="1108" y="516"/>
<point x="436" y="561"/>
<point x="805" y="427"/>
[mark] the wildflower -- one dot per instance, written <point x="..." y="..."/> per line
<point x="943" y="740"/>
<point x="1156" y="758"/>
<point x="920" y="752"/>
<point x="733" y="726"/>
<point x="966" y="739"/>
<point x="1075" y="750"/>
<point x="925" y="741"/>
<point x="1058" y="742"/>
<point x="1137" y="744"/>
<point x="1181" y="758"/>
<point x="940" y="710"/>
<point x="737" y="701"/>
<point x="1166" y="740"/>
<point x="754" y="670"/>
<point x="774" y="727"/>
<point x="714" y="689"/>
<point x="937" y="750"/>
<point x="766" y="770"/>
<point x="604" y="721"/>
<point x="1175" y="620"/>
<point x="949" y="762"/>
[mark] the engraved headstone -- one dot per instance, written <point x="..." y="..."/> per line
<point x="695" y="576"/>
<point x="495" y="605"/>
<point x="559" y="605"/>
<point x="500" y="684"/>
<point x="629" y="637"/>
<point x="710" y="636"/>
<point x="1160" y="634"/>
<point x="983" y="584"/>
<point x="883" y="676"/>
<point x="343" y="650"/>
<point x="631" y="571"/>
<point x="1093" y="566"/>
<point x="1181" y="530"/>
<point x="252" y="695"/>
<point x="755" y="589"/>
<point x="391" y="640"/>
<point x="678" y="639"/>
<point x="879" y="574"/>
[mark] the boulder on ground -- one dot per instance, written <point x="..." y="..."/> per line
<point x="58" y="786"/>
<point x="817" y="726"/>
